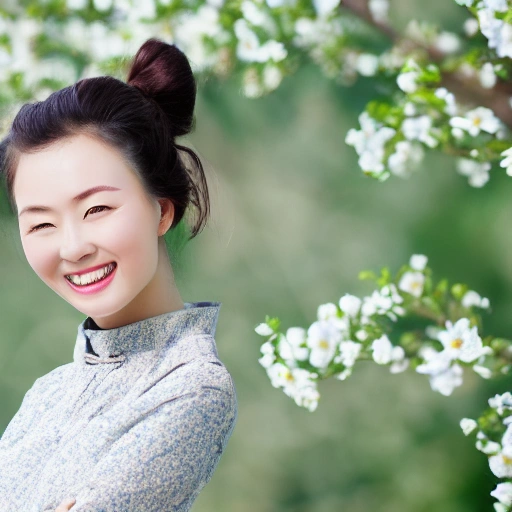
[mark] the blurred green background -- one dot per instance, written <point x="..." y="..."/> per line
<point x="293" y="222"/>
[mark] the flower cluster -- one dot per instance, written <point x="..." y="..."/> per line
<point x="355" y="329"/>
<point x="260" y="42"/>
<point x="494" y="27"/>
<point x="393" y="137"/>
<point x="494" y="438"/>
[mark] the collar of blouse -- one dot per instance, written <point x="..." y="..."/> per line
<point x="101" y="346"/>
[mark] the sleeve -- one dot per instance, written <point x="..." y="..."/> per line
<point x="24" y="417"/>
<point x="164" y="460"/>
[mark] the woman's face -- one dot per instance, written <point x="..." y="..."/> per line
<point x="75" y="228"/>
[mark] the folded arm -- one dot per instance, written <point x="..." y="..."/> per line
<point x="164" y="460"/>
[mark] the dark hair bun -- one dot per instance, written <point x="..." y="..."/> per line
<point x="162" y="72"/>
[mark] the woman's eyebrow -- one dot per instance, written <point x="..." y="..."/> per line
<point x="80" y="197"/>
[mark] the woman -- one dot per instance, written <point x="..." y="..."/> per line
<point x="139" y="420"/>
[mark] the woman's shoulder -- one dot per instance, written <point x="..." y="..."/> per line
<point x="187" y="367"/>
<point x="51" y="380"/>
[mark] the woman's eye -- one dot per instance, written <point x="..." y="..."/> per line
<point x="38" y="227"/>
<point x="93" y="209"/>
<point x="96" y="209"/>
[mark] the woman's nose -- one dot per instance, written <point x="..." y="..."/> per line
<point x="75" y="244"/>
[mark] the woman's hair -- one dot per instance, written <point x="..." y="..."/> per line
<point x="141" y="118"/>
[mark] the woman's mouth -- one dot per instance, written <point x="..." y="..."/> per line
<point x="93" y="282"/>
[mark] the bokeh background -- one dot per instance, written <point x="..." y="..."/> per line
<point x="293" y="222"/>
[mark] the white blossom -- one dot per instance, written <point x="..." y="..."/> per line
<point x="267" y="360"/>
<point x="400" y="363"/>
<point x="435" y="362"/>
<point x="507" y="161"/>
<point x="447" y="42"/>
<point x="462" y="342"/>
<point x="190" y="30"/>
<point x="379" y="9"/>
<point x="471" y="27"/>
<point x="382" y="302"/>
<point x="367" y="64"/>
<point x="501" y="403"/>
<point x="102" y="5"/>
<point x="477" y="172"/>
<point x="472" y="298"/>
<point x="501" y="463"/>
<point x="264" y="329"/>
<point x="349" y="352"/>
<point x="445" y="382"/>
<point x="326" y="311"/>
<point x="323" y="338"/>
<point x="451" y="106"/>
<point x="468" y="425"/>
<point x="297" y="383"/>
<point x="503" y="493"/>
<point x="418" y="262"/>
<point x="248" y="46"/>
<point x="290" y="346"/>
<point x="306" y="396"/>
<point x="324" y="7"/>
<point x="347" y="372"/>
<point x="496" y="5"/>
<point x="369" y="142"/>
<point x="476" y="120"/>
<point x="361" y="335"/>
<point x="382" y="350"/>
<point x="405" y="158"/>
<point x="272" y="50"/>
<point x="407" y="81"/>
<point x="483" y="371"/>
<point x="486" y="446"/>
<point x="316" y="32"/>
<point x="76" y="4"/>
<point x="497" y="31"/>
<point x="418" y="128"/>
<point x="255" y="15"/>
<point x="410" y="109"/>
<point x="412" y="282"/>
<point x="487" y="76"/>
<point x="350" y="305"/>
<point x="279" y="374"/>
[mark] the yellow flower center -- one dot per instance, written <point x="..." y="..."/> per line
<point x="288" y="376"/>
<point x="506" y="460"/>
<point x="456" y="343"/>
<point x="477" y="121"/>
<point x="323" y="344"/>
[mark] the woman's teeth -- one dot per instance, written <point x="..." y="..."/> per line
<point x="91" y="277"/>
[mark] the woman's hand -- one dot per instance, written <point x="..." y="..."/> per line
<point x="65" y="505"/>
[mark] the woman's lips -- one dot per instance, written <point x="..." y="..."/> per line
<point x="95" y="287"/>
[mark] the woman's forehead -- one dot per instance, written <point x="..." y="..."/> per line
<point x="66" y="169"/>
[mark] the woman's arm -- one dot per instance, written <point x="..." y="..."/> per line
<point x="165" y="459"/>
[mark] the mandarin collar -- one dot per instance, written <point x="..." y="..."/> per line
<point x="98" y="346"/>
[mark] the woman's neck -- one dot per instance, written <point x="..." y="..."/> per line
<point x="160" y="296"/>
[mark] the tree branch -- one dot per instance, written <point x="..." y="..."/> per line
<point x="467" y="90"/>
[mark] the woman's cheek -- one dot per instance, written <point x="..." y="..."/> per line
<point x="41" y="257"/>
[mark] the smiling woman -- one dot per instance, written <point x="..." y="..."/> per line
<point x="139" y="420"/>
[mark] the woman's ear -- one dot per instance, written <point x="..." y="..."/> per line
<point x="166" y="215"/>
